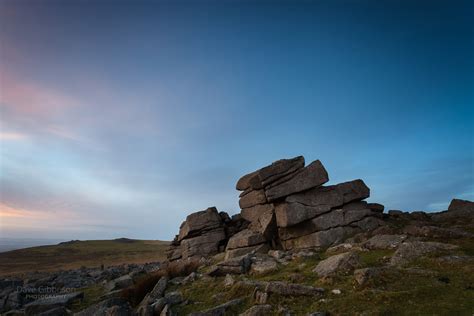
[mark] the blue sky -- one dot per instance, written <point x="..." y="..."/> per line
<point x="120" y="118"/>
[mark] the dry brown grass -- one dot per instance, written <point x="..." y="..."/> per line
<point x="89" y="253"/>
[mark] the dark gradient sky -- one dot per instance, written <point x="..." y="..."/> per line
<point x="120" y="118"/>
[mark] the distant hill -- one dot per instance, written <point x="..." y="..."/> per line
<point x="7" y="244"/>
<point x="74" y="254"/>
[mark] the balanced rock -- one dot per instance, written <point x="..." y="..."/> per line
<point x="311" y="176"/>
<point x="269" y="174"/>
<point x="198" y="222"/>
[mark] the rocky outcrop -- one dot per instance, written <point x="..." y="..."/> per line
<point x="204" y="233"/>
<point x="283" y="205"/>
<point x="287" y="204"/>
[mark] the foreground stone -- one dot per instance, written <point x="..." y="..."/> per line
<point x="362" y="276"/>
<point x="117" y="305"/>
<point x="409" y="251"/>
<point x="119" y="283"/>
<point x="258" y="310"/>
<point x="341" y="263"/>
<point x="47" y="304"/>
<point x="384" y="242"/>
<point x="237" y="265"/>
<point x="219" y="310"/>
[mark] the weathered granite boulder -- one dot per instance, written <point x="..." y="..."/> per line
<point x="303" y="206"/>
<point x="204" y="233"/>
<point x="341" y="263"/>
<point x="219" y="310"/>
<point x="458" y="209"/>
<point x="53" y="302"/>
<point x="258" y="310"/>
<point x="269" y="174"/>
<point x="384" y="242"/>
<point x="245" y="238"/>
<point x="199" y="222"/>
<point x="348" y="214"/>
<point x="309" y="177"/>
<point x="204" y="245"/>
<point x="107" y="307"/>
<point x="408" y="251"/>
<point x="253" y="198"/>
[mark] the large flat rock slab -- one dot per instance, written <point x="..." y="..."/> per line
<point x="309" y="177"/>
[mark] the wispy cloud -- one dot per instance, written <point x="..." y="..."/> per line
<point x="12" y="136"/>
<point x="29" y="98"/>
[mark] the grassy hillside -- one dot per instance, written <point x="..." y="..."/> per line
<point x="426" y="286"/>
<point x="74" y="254"/>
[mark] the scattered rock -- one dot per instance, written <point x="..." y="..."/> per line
<point x="119" y="283"/>
<point x="336" y="292"/>
<point x="49" y="303"/>
<point x="173" y="298"/>
<point x="166" y="311"/>
<point x="219" y="310"/>
<point x="362" y="276"/>
<point x="228" y="281"/>
<point x="408" y="251"/>
<point x="258" y="310"/>
<point x="384" y="241"/>
<point x="435" y="232"/>
<point x="237" y="265"/>
<point x="277" y="254"/>
<point x="260" y="297"/>
<point x="341" y="263"/>
<point x="263" y="264"/>
<point x="102" y="308"/>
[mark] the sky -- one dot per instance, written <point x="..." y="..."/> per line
<point x="119" y="118"/>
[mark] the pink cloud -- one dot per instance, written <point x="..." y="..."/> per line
<point x="5" y="136"/>
<point x="29" y="98"/>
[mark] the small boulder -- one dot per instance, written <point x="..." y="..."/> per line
<point x="219" y="310"/>
<point x="344" y="262"/>
<point x="408" y="251"/>
<point x="258" y="310"/>
<point x="119" y="283"/>
<point x="228" y="281"/>
<point x="263" y="264"/>
<point x="384" y="241"/>
<point x="173" y="298"/>
<point x="362" y="276"/>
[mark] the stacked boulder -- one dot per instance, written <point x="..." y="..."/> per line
<point x="286" y="203"/>
<point x="204" y="233"/>
<point x="283" y="206"/>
